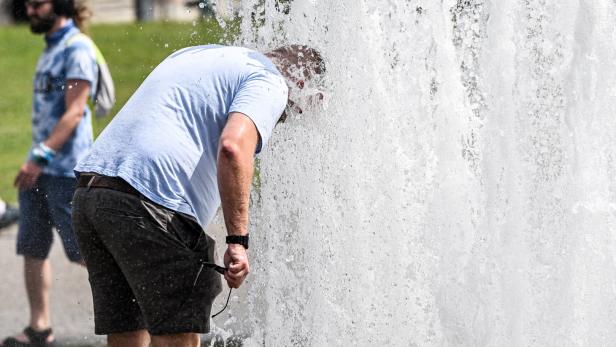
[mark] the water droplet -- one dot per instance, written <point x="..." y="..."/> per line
<point x="202" y="5"/>
<point x="166" y="45"/>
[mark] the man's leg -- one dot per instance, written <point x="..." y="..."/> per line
<point x="176" y="340"/>
<point x="60" y="192"/>
<point x="116" y="311"/>
<point x="55" y="208"/>
<point x="38" y="282"/>
<point x="138" y="338"/>
<point x="34" y="242"/>
<point x="141" y="338"/>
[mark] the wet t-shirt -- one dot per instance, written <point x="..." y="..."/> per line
<point x="58" y="63"/>
<point x="164" y="141"/>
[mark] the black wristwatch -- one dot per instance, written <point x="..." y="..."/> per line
<point x="240" y="240"/>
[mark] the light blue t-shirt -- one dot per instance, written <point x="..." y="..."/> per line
<point x="164" y="141"/>
<point x="58" y="63"/>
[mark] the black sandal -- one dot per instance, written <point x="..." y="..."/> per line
<point x="37" y="339"/>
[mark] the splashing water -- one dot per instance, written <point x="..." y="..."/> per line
<point x="458" y="188"/>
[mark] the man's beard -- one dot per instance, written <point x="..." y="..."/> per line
<point x="39" y="25"/>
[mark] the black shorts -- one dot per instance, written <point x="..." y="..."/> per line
<point x="144" y="264"/>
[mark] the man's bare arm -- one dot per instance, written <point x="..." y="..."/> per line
<point x="76" y="97"/>
<point x="235" y="169"/>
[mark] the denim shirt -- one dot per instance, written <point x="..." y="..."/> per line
<point x="58" y="63"/>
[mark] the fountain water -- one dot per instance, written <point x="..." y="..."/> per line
<point x="458" y="187"/>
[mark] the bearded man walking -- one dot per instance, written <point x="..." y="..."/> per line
<point x="66" y="75"/>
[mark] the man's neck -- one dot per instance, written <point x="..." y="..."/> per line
<point x="59" y="24"/>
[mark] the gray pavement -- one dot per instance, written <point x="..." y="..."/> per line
<point x="71" y="302"/>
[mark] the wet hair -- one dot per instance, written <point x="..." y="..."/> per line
<point x="298" y="61"/>
<point x="78" y="10"/>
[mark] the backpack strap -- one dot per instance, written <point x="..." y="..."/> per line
<point x="100" y="59"/>
<point x="104" y="98"/>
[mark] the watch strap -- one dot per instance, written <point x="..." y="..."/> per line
<point x="238" y="239"/>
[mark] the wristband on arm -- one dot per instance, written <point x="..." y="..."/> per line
<point x="41" y="154"/>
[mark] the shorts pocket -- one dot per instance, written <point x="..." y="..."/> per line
<point x="187" y="232"/>
<point x="159" y="215"/>
<point x="114" y="216"/>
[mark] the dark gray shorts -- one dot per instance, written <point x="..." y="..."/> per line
<point x="144" y="264"/>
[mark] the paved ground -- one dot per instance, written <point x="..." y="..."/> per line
<point x="71" y="302"/>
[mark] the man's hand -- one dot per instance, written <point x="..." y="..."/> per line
<point x="28" y="175"/>
<point x="236" y="260"/>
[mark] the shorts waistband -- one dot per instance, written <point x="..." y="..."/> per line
<point x="89" y="181"/>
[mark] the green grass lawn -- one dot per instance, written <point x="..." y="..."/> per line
<point x="131" y="50"/>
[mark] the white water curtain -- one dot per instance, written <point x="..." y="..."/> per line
<point x="457" y="187"/>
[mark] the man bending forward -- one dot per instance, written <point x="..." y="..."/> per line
<point x="183" y="144"/>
